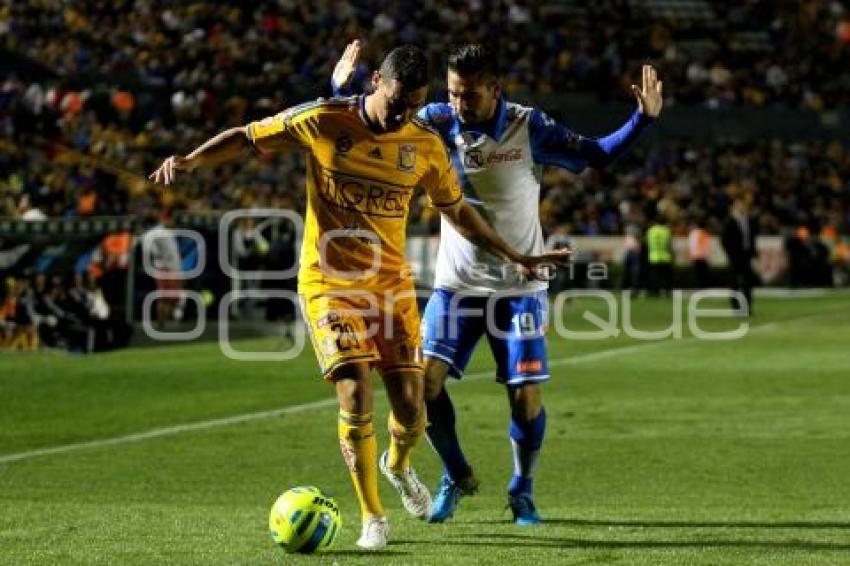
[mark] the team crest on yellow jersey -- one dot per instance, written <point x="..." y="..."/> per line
<point x="343" y="143"/>
<point x="406" y="157"/>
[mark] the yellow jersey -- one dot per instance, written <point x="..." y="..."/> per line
<point x="359" y="187"/>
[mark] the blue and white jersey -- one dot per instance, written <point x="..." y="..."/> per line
<point x="499" y="165"/>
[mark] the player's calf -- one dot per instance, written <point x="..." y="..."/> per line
<point x="526" y="435"/>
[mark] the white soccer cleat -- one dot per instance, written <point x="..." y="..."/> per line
<point x="414" y="495"/>
<point x="374" y="534"/>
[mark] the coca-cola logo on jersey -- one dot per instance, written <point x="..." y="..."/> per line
<point x="514" y="154"/>
<point x="474" y="159"/>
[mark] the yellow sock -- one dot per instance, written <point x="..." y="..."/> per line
<point x="402" y="441"/>
<point x="359" y="449"/>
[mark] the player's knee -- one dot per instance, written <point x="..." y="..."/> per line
<point x="354" y="392"/>
<point x="431" y="389"/>
<point x="411" y="406"/>
<point x="405" y="390"/>
<point x="351" y="397"/>
<point x="435" y="376"/>
<point x="526" y="401"/>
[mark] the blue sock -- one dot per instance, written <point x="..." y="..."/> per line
<point x="526" y="440"/>
<point x="443" y="436"/>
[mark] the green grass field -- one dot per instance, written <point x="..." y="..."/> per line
<point x="676" y="452"/>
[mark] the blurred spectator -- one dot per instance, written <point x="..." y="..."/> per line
<point x="109" y="262"/>
<point x="841" y="271"/>
<point x="250" y="249"/>
<point x="659" y="244"/>
<point x="162" y="253"/>
<point x="92" y="314"/>
<point x="799" y="256"/>
<point x="8" y="306"/>
<point x="28" y="212"/>
<point x="18" y="326"/>
<point x="699" y="250"/>
<point x="44" y="313"/>
<point x="281" y="257"/>
<point x="739" y="243"/>
<point x="90" y="307"/>
<point x="632" y="264"/>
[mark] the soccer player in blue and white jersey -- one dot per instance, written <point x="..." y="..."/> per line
<point x="498" y="148"/>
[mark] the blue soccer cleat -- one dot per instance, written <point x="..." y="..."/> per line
<point x="448" y="496"/>
<point x="445" y="500"/>
<point x="523" y="509"/>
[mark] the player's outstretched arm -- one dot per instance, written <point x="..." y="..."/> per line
<point x="472" y="226"/>
<point x="226" y="146"/>
<point x="649" y="96"/>
<point x="602" y="151"/>
<point x="555" y="144"/>
<point x="343" y="72"/>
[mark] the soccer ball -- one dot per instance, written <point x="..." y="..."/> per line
<point x="304" y="520"/>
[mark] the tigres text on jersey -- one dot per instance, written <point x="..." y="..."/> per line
<point x="359" y="187"/>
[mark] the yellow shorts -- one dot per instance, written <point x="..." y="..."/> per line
<point x="380" y="328"/>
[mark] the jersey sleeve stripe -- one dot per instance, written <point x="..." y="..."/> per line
<point x="299" y="109"/>
<point x="425" y="126"/>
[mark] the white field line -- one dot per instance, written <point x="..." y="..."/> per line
<point x="322" y="403"/>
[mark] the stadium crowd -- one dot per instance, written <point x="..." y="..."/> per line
<point x="202" y="52"/>
<point x="38" y="311"/>
<point x="81" y="131"/>
<point x="804" y="183"/>
<point x="84" y="114"/>
<point x="789" y="185"/>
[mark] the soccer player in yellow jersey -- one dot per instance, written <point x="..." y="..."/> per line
<point x="365" y="157"/>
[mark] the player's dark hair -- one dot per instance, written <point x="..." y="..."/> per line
<point x="408" y="65"/>
<point x="474" y="59"/>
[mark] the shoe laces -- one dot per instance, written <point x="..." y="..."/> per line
<point x="373" y="527"/>
<point x="409" y="479"/>
<point x="448" y="488"/>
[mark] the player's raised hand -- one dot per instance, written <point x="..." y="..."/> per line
<point x="347" y="64"/>
<point x="165" y="173"/>
<point x="543" y="266"/>
<point x="650" y="96"/>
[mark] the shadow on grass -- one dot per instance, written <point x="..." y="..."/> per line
<point x="489" y="539"/>
<point x="359" y="552"/>
<point x="678" y="524"/>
